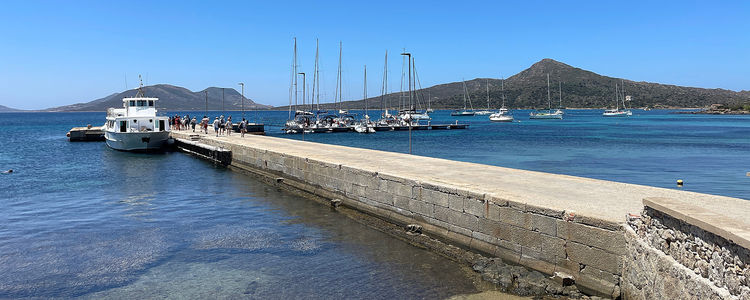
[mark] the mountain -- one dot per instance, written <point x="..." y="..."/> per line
<point x="171" y="98"/>
<point x="580" y="88"/>
<point x="7" y="109"/>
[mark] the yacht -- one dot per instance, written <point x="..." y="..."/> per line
<point x="502" y="114"/>
<point x="617" y="112"/>
<point x="549" y="114"/>
<point x="464" y="112"/>
<point x="135" y="127"/>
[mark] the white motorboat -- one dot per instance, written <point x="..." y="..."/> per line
<point x="501" y="117"/>
<point x="135" y="127"/>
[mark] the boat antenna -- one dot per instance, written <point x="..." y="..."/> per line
<point x="140" y="92"/>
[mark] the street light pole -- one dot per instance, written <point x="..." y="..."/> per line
<point x="304" y="93"/>
<point x="242" y="101"/>
<point x="408" y="119"/>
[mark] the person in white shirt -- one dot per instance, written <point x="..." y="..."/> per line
<point x="216" y="126"/>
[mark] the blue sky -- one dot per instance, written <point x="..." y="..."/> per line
<point x="61" y="52"/>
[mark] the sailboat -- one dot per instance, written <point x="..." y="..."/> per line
<point x="409" y="113"/>
<point x="502" y="114"/>
<point x="464" y="112"/>
<point x="429" y="103"/>
<point x="301" y="119"/>
<point x="487" y="111"/>
<point x="617" y="112"/>
<point x="549" y="114"/>
<point x="365" y="125"/>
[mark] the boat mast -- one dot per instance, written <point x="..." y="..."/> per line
<point x="295" y="74"/>
<point x="488" y="94"/>
<point x="559" y="106"/>
<point x="549" y="100"/>
<point x="623" y="94"/>
<point x="502" y="89"/>
<point x="316" y="80"/>
<point x="464" y="82"/>
<point x="384" y="86"/>
<point x="338" y="80"/>
<point x="365" y="92"/>
<point x="617" y="97"/>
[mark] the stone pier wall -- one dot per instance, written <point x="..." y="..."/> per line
<point x="589" y="250"/>
<point x="676" y="254"/>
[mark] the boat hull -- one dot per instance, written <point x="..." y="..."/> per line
<point x="501" y="118"/>
<point x="462" y="114"/>
<point x="136" y="141"/>
<point x="546" y="117"/>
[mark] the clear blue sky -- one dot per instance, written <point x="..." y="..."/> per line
<point x="61" y="52"/>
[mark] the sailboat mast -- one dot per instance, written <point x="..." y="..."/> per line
<point x="560" y="104"/>
<point x="488" y="94"/>
<point x="464" y="83"/>
<point x="549" y="101"/>
<point x="502" y="89"/>
<point x="365" y="90"/>
<point x="384" y="87"/>
<point x="316" y="79"/>
<point x="623" y="94"/>
<point x="338" y="79"/>
<point x="295" y="74"/>
<point x="617" y="97"/>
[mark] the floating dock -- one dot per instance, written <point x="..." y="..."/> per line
<point x="86" y="134"/>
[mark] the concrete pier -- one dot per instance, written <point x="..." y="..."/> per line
<point x="86" y="134"/>
<point x="556" y="224"/>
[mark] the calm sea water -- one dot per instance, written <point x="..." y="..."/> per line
<point x="711" y="154"/>
<point x="81" y="220"/>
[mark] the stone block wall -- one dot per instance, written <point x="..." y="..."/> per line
<point x="671" y="258"/>
<point x="589" y="250"/>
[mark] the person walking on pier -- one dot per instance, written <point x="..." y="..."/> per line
<point x="228" y="126"/>
<point x="216" y="126"/>
<point x="192" y="123"/>
<point x="222" y="122"/>
<point x="204" y="124"/>
<point x="243" y="127"/>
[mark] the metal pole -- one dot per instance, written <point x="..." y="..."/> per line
<point x="242" y="100"/>
<point x="410" y="100"/>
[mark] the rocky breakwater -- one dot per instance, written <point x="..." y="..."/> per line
<point x="675" y="255"/>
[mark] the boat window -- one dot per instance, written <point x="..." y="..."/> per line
<point x="150" y="120"/>
<point x="123" y="126"/>
<point x="135" y="121"/>
<point x="132" y="102"/>
<point x="150" y="102"/>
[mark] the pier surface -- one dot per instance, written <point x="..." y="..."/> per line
<point x="557" y="224"/>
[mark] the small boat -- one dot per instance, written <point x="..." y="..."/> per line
<point x="548" y="114"/>
<point x="365" y="125"/>
<point x="617" y="112"/>
<point x="135" y="127"/>
<point x="502" y="114"/>
<point x="487" y="111"/>
<point x="464" y="112"/>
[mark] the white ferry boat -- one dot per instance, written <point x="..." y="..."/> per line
<point x="135" y="127"/>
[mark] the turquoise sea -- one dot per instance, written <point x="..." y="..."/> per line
<point x="82" y="220"/>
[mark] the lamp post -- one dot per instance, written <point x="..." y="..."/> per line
<point x="242" y="100"/>
<point x="304" y="92"/>
<point x="408" y="119"/>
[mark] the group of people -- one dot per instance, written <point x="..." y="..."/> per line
<point x="221" y="126"/>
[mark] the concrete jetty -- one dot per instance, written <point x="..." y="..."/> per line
<point x="598" y="233"/>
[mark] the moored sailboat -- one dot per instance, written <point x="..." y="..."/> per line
<point x="549" y="114"/>
<point x="502" y="114"/>
<point x="464" y="112"/>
